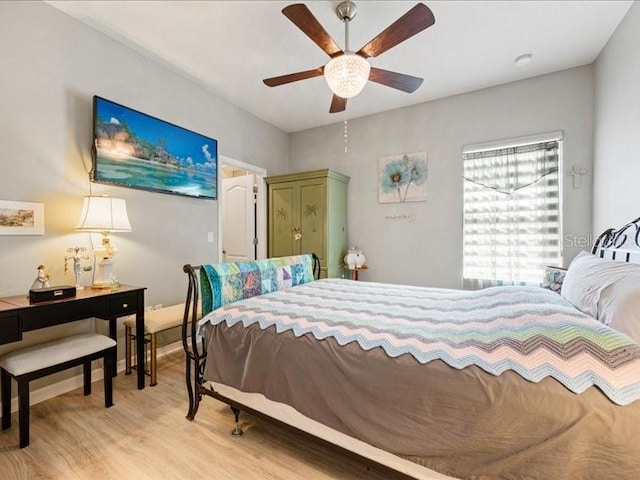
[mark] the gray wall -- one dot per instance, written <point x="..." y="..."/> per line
<point x="616" y="194"/>
<point x="428" y="250"/>
<point x="51" y="66"/>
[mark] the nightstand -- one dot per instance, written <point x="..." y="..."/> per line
<point x="354" y="270"/>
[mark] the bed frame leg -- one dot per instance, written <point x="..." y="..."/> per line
<point x="237" y="431"/>
<point x="193" y="394"/>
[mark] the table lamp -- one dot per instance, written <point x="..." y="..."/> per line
<point x="104" y="215"/>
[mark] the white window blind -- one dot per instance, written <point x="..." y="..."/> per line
<point x="512" y="220"/>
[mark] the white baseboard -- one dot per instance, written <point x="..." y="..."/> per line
<point x="64" y="386"/>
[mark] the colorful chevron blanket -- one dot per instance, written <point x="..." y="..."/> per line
<point x="531" y="331"/>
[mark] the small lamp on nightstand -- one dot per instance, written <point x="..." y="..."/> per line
<point x="354" y="258"/>
<point x="104" y="215"/>
<point x="354" y="261"/>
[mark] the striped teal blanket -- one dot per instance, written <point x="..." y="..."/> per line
<point x="531" y="331"/>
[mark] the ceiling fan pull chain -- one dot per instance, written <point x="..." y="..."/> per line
<point x="346" y="150"/>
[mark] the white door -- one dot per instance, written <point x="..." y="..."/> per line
<point x="238" y="219"/>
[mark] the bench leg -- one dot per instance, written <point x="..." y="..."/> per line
<point x="23" y="412"/>
<point x="5" y="387"/>
<point x="154" y="360"/>
<point x="128" y="353"/>
<point x="108" y="367"/>
<point x="86" y="370"/>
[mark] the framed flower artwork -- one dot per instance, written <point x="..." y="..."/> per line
<point x="403" y="178"/>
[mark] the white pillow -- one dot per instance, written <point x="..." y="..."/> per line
<point x="619" y="306"/>
<point x="588" y="275"/>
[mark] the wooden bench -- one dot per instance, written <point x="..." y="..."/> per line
<point x="155" y="321"/>
<point x="38" y="361"/>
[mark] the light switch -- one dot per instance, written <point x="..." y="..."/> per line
<point x="210" y="237"/>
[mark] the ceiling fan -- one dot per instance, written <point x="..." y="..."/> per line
<point x="348" y="72"/>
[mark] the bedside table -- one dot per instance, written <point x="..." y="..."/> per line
<point x="354" y="270"/>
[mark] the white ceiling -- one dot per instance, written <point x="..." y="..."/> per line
<point x="230" y="46"/>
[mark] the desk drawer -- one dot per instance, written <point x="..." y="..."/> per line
<point x="41" y="315"/>
<point x="122" y="304"/>
<point x="10" y="330"/>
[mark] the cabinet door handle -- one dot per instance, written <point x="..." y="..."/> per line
<point x="125" y="305"/>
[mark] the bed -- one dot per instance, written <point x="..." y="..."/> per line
<point x="507" y="382"/>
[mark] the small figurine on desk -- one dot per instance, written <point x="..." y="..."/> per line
<point x="77" y="262"/>
<point x="42" y="280"/>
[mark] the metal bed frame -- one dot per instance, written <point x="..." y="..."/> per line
<point x="613" y="241"/>
<point x="196" y="352"/>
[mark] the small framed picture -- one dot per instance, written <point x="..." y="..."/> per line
<point x="21" y="218"/>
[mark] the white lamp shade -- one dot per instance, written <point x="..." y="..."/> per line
<point x="104" y="214"/>
<point x="347" y="74"/>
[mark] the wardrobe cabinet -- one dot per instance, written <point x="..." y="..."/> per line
<point x="307" y="213"/>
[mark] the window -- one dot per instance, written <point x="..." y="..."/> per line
<point x="512" y="216"/>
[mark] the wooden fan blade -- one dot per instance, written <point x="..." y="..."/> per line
<point x="293" y="77"/>
<point x="302" y="17"/>
<point x="400" y="81"/>
<point x="412" y="22"/>
<point x="338" y="104"/>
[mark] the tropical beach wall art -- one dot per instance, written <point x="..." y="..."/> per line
<point x="133" y="149"/>
<point x="21" y="218"/>
<point x="402" y="178"/>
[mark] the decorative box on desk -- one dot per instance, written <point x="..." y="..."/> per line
<point x="47" y="294"/>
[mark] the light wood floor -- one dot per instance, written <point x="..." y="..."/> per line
<point x="145" y="435"/>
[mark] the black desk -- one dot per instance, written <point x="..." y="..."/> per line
<point x="17" y="315"/>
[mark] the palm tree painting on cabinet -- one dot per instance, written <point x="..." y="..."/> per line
<point x="282" y="215"/>
<point x="311" y="211"/>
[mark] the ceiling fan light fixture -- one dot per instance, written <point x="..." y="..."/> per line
<point x="347" y="74"/>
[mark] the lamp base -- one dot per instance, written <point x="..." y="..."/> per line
<point x="104" y="272"/>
